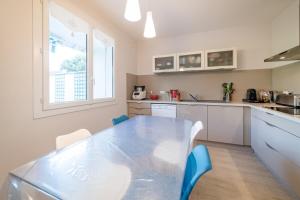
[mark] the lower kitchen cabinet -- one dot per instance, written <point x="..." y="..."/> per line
<point x="277" y="147"/>
<point x="247" y="126"/>
<point x="256" y="137"/>
<point x="225" y="124"/>
<point x="194" y="113"/>
<point x="135" y="108"/>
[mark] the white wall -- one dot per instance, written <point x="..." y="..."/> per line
<point x="285" y="29"/>
<point x="253" y="44"/>
<point x="285" y="35"/>
<point x="21" y="138"/>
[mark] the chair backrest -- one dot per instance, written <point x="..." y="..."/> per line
<point x="198" y="163"/>
<point x="68" y="139"/>
<point x="120" y="119"/>
<point x="196" y="128"/>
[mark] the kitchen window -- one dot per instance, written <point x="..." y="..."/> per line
<point x="103" y="49"/>
<point x="77" y="62"/>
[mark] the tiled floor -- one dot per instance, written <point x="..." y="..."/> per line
<point x="237" y="175"/>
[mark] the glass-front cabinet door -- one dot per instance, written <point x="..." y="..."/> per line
<point x="221" y="59"/>
<point x="190" y="61"/>
<point x="165" y="63"/>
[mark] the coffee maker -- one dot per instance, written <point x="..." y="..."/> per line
<point x="251" y="96"/>
<point x="139" y="92"/>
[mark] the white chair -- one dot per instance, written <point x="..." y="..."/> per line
<point x="196" y="128"/>
<point x="68" y="139"/>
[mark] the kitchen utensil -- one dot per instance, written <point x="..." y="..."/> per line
<point x="194" y="97"/>
<point x="264" y="96"/>
<point x="271" y="96"/>
<point x="251" y="95"/>
<point x="154" y="97"/>
<point x="175" y="95"/>
<point x="292" y="100"/>
<point x="139" y="92"/>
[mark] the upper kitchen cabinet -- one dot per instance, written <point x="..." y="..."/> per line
<point x="196" y="61"/>
<point x="164" y="63"/>
<point x="190" y="61"/>
<point x="221" y="59"/>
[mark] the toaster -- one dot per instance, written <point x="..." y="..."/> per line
<point x="292" y="100"/>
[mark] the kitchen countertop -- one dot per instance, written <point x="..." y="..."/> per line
<point x="258" y="106"/>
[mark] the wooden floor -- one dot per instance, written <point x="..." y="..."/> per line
<point x="237" y="175"/>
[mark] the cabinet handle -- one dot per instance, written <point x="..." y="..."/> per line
<point x="273" y="149"/>
<point x="269" y="113"/>
<point x="273" y="126"/>
<point x="270" y="147"/>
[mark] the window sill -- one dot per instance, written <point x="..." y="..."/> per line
<point x="41" y="113"/>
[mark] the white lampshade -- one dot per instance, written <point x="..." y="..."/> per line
<point x="132" y="11"/>
<point x="149" y="31"/>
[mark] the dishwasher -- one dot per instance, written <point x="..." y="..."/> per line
<point x="163" y="110"/>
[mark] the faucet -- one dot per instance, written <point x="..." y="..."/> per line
<point x="194" y="97"/>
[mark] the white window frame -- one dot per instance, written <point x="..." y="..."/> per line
<point x="101" y="100"/>
<point x="42" y="107"/>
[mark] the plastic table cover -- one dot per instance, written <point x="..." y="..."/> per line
<point x="142" y="158"/>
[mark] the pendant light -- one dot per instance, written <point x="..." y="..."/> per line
<point x="149" y="31"/>
<point x="132" y="11"/>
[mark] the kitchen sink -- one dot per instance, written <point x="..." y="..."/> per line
<point x="204" y="101"/>
<point x="195" y="99"/>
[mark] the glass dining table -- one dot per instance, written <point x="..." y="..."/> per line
<point x="142" y="158"/>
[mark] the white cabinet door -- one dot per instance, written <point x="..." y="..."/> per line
<point x="284" y="143"/>
<point x="258" y="130"/>
<point x="287" y="172"/>
<point x="164" y="63"/>
<point x="190" y="61"/>
<point x="247" y="126"/>
<point x="278" y="150"/>
<point x="255" y="134"/>
<point x="194" y="113"/>
<point x="221" y="59"/>
<point x="225" y="124"/>
<point x="163" y="110"/>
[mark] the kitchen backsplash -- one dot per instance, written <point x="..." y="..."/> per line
<point x="131" y="81"/>
<point x="206" y="85"/>
<point x="287" y="78"/>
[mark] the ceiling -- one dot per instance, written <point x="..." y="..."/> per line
<point x="178" y="17"/>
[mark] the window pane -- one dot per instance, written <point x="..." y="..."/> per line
<point x="102" y="66"/>
<point x="67" y="56"/>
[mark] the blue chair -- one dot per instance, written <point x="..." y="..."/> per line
<point x="198" y="163"/>
<point x="120" y="119"/>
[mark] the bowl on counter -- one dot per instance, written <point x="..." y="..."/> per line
<point x="154" y="97"/>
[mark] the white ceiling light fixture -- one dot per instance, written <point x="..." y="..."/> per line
<point x="149" y="31"/>
<point x="132" y="11"/>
